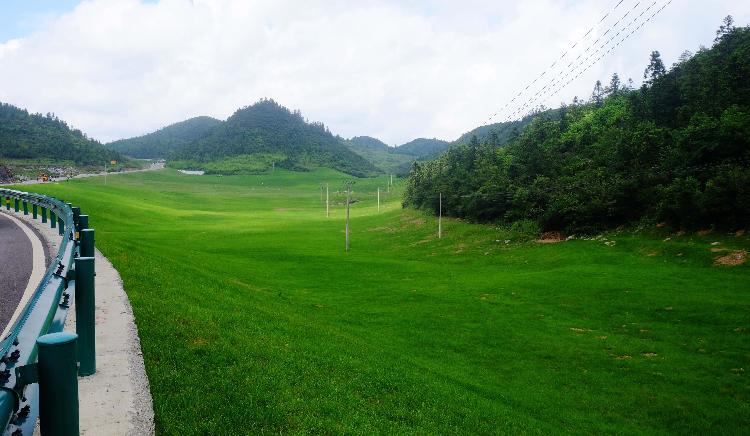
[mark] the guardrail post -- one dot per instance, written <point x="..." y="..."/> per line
<point x="87" y="243"/>
<point x="7" y="203"/>
<point x="25" y="208"/>
<point x="16" y="203"/>
<point x="85" y="315"/>
<point x="58" y="384"/>
<point x="60" y="226"/>
<point x="83" y="224"/>
<point x="44" y="214"/>
<point x="76" y="214"/>
<point x="34" y="213"/>
<point x="52" y="219"/>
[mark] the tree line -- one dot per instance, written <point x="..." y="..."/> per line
<point x="35" y="136"/>
<point x="674" y="150"/>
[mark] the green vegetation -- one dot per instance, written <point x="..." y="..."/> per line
<point x="269" y="128"/>
<point x="385" y="158"/>
<point x="36" y="136"/>
<point x="253" y="319"/>
<point x="677" y="151"/>
<point x="423" y="148"/>
<point x="165" y="141"/>
<point x="234" y="165"/>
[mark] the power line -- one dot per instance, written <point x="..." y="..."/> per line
<point x="556" y="61"/>
<point x="560" y="82"/>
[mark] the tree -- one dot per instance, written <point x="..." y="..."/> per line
<point x="598" y="95"/>
<point x="726" y="28"/>
<point x="655" y="68"/>
<point x="615" y="86"/>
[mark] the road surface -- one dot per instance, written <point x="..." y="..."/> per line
<point x="16" y="262"/>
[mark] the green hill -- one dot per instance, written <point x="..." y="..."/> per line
<point x="676" y="151"/>
<point x="423" y="147"/>
<point x="36" y="136"/>
<point x="165" y="141"/>
<point x="270" y="132"/>
<point x="378" y="153"/>
<point x="369" y="143"/>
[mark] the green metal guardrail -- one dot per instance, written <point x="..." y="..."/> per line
<point x="39" y="362"/>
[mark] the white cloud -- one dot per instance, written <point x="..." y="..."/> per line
<point x="391" y="69"/>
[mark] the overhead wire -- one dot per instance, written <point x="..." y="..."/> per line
<point x="604" y="49"/>
<point x="556" y="61"/>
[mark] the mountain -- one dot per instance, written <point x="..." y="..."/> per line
<point x="422" y="147"/>
<point x="165" y="141"/>
<point x="36" y="136"/>
<point x="369" y="143"/>
<point x="381" y="155"/>
<point x="268" y="132"/>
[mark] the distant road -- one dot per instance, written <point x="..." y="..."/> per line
<point x="153" y="167"/>
<point x="17" y="262"/>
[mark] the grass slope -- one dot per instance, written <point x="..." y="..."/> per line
<point x="253" y="319"/>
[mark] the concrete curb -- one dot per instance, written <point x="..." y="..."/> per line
<point x="117" y="399"/>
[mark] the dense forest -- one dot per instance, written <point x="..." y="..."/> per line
<point x="167" y="140"/>
<point x="269" y="129"/>
<point x="675" y="150"/>
<point x="36" y="136"/>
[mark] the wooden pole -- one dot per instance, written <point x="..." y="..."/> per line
<point x="440" y="217"/>
<point x="327" y="208"/>
<point x="348" y="199"/>
<point x="378" y="198"/>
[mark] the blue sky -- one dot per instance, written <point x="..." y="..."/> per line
<point x="392" y="69"/>
<point x="19" y="18"/>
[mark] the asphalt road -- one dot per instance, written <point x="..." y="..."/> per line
<point x="15" y="267"/>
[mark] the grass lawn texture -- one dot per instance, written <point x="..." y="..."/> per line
<point x="253" y="319"/>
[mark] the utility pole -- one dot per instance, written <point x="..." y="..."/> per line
<point x="273" y="167"/>
<point x="378" y="198"/>
<point x="321" y="192"/>
<point x="348" y="200"/>
<point x="391" y="179"/>
<point x="440" y="217"/>
<point x="327" y="209"/>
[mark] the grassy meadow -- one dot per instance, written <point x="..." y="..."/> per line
<point x="253" y="319"/>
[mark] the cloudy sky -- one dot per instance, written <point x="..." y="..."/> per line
<point x="393" y="69"/>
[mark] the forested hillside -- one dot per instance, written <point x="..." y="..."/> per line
<point x="165" y="141"/>
<point x="675" y="151"/>
<point x="36" y="136"/>
<point x="423" y="147"/>
<point x="267" y="128"/>
<point x="384" y="157"/>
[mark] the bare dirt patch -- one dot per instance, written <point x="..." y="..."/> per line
<point x="718" y="250"/>
<point x="551" y="238"/>
<point x="734" y="258"/>
<point x="703" y="232"/>
<point x="739" y="233"/>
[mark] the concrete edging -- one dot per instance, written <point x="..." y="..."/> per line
<point x="117" y="399"/>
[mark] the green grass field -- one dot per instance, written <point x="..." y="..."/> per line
<point x="253" y="318"/>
